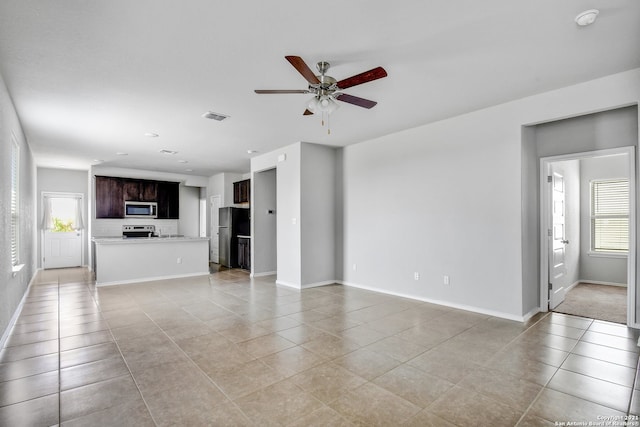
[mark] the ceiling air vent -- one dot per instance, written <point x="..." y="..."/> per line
<point x="214" y="116"/>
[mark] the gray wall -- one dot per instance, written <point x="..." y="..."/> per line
<point x="306" y="207"/>
<point x="189" y="222"/>
<point x="607" y="129"/>
<point x="318" y="201"/>
<point x="12" y="289"/>
<point x="599" y="268"/>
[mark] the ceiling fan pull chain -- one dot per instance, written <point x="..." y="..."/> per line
<point x="328" y="124"/>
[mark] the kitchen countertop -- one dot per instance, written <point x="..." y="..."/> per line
<point x="137" y="240"/>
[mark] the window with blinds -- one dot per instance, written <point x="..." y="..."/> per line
<point x="610" y="215"/>
<point x="15" y="202"/>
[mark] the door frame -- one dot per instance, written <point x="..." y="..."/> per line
<point x="69" y="195"/>
<point x="544" y="223"/>
<point x="214" y="232"/>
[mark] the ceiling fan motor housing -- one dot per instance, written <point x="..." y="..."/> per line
<point x="327" y="84"/>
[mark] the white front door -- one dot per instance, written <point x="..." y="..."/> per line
<point x="557" y="240"/>
<point x="216" y="204"/>
<point x="62" y="249"/>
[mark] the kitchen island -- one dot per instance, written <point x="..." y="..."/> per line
<point x="128" y="260"/>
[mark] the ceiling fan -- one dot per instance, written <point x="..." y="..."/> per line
<point x="326" y="90"/>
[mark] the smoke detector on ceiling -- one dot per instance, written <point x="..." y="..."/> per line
<point x="587" y="17"/>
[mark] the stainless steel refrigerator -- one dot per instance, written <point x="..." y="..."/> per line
<point x="232" y="221"/>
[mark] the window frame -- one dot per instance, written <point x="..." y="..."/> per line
<point x="593" y="216"/>
<point x="15" y="202"/>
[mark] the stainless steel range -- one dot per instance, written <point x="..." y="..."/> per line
<point x="138" y="231"/>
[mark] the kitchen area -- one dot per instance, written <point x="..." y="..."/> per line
<point x="148" y="229"/>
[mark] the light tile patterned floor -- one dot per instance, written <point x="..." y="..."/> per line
<point x="230" y="350"/>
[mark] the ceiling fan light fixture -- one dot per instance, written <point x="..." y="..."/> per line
<point x="328" y="104"/>
<point x="587" y="17"/>
<point x="322" y="103"/>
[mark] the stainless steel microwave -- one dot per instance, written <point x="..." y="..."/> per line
<point x="140" y="209"/>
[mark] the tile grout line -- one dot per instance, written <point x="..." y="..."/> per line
<point x="209" y="379"/>
<point x="124" y="360"/>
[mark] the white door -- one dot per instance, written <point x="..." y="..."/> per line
<point x="62" y="237"/>
<point x="216" y="204"/>
<point x="62" y="249"/>
<point x="557" y="240"/>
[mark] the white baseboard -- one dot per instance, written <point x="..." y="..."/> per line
<point x="493" y="313"/>
<point x="266" y="273"/>
<point x="307" y="285"/>
<point x="318" y="284"/>
<point x="574" y="284"/>
<point x="596" y="282"/>
<point x="150" y="279"/>
<point x="530" y="314"/>
<point x="287" y="284"/>
<point x="16" y="314"/>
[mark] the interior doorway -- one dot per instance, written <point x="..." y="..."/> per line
<point x="587" y="227"/>
<point x="215" y="204"/>
<point x="264" y="230"/>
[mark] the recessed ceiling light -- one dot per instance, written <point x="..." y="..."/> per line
<point x="252" y="151"/>
<point x="121" y="153"/>
<point x="214" y="116"/>
<point x="151" y="134"/>
<point x="188" y="170"/>
<point x="98" y="160"/>
<point x="587" y="17"/>
<point x="183" y="161"/>
<point x="163" y="151"/>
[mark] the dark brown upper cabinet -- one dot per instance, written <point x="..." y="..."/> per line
<point x="168" y="200"/>
<point x="109" y="197"/>
<point x="242" y="191"/>
<point x="112" y="192"/>
<point x="140" y="190"/>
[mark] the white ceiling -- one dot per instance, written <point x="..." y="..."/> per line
<point x="89" y="78"/>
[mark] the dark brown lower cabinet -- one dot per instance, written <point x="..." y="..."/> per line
<point x="244" y="252"/>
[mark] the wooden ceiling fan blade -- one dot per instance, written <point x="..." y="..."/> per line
<point x="358" y="79"/>
<point x="360" y="102"/>
<point x="307" y="113"/>
<point x="270" y="91"/>
<point x="299" y="64"/>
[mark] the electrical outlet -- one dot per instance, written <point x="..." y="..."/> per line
<point x="446" y="280"/>
<point x="179" y="260"/>
<point x="416" y="276"/>
<point x="355" y="267"/>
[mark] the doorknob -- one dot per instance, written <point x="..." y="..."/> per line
<point x="566" y="242"/>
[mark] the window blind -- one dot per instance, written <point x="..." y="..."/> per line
<point x="610" y="215"/>
<point x="15" y="201"/>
